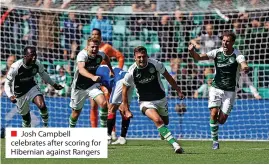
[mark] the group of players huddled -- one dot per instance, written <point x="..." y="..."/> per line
<point x="111" y="87"/>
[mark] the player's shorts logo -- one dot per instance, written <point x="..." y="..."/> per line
<point x="151" y="70"/>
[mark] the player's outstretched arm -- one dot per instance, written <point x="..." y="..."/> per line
<point x="173" y="83"/>
<point x="8" y="90"/>
<point x="196" y="56"/>
<point x="9" y="84"/>
<point x="244" y="66"/>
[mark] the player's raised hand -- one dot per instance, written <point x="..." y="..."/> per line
<point x="57" y="87"/>
<point x="181" y="95"/>
<point x="191" y="47"/>
<point x="96" y="78"/>
<point x="13" y="99"/>
<point x="245" y="69"/>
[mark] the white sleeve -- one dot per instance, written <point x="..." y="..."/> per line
<point x="245" y="79"/>
<point x="159" y="66"/>
<point x="212" y="54"/>
<point x="9" y="81"/>
<point x="82" y="57"/>
<point x="128" y="79"/>
<point x="43" y="74"/>
<point x="102" y="54"/>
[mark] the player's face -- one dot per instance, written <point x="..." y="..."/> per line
<point x="227" y="43"/>
<point x="93" y="48"/>
<point x="141" y="59"/>
<point x="96" y="34"/>
<point x="30" y="57"/>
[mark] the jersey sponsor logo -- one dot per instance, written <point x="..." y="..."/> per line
<point x="151" y="70"/>
<point x="138" y="75"/>
<point x="26" y="79"/>
<point x="91" y="67"/>
<point x="146" y="80"/>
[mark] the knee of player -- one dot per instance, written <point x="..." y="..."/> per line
<point x="158" y="121"/>
<point x="42" y="106"/>
<point x="103" y="104"/>
<point x="222" y="121"/>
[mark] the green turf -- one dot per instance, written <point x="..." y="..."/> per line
<point x="159" y="152"/>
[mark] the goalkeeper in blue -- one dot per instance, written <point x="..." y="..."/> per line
<point x="228" y="62"/>
<point x="144" y="74"/>
<point x="115" y="86"/>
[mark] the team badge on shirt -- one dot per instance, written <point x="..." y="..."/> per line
<point x="34" y="71"/>
<point x="98" y="60"/>
<point x="231" y="60"/>
<point x="151" y="70"/>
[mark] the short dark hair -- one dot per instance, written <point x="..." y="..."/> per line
<point x="96" y="29"/>
<point x="25" y="50"/>
<point x="140" y="49"/>
<point x="229" y="34"/>
<point x="92" y="39"/>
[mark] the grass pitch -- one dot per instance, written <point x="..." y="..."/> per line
<point x="160" y="152"/>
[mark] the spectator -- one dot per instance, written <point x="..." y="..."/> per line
<point x="10" y="60"/>
<point x="48" y="37"/>
<point x="239" y="30"/>
<point x="144" y="6"/>
<point x="202" y="91"/>
<point x="62" y="78"/>
<point x="104" y="24"/>
<point x="182" y="29"/>
<point x="208" y="41"/>
<point x="166" y="5"/>
<point x="255" y="41"/>
<point x="188" y="80"/>
<point x="175" y="72"/>
<point x="71" y="30"/>
<point x="167" y="41"/>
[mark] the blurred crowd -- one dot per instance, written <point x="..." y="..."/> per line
<point x="164" y="27"/>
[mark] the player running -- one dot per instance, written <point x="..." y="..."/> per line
<point x="22" y="89"/>
<point x="228" y="61"/>
<point x="144" y="74"/>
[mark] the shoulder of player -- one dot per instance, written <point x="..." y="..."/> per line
<point x="237" y="52"/>
<point x="17" y="64"/>
<point x="132" y="68"/>
<point x="82" y="53"/>
<point x="154" y="62"/>
<point x="101" y="53"/>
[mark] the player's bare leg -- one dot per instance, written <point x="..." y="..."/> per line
<point x="93" y="113"/>
<point x="222" y="118"/>
<point x="163" y="130"/>
<point x="214" y="127"/>
<point x="40" y="103"/>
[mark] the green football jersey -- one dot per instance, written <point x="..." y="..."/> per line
<point x="227" y="68"/>
<point x="146" y="80"/>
